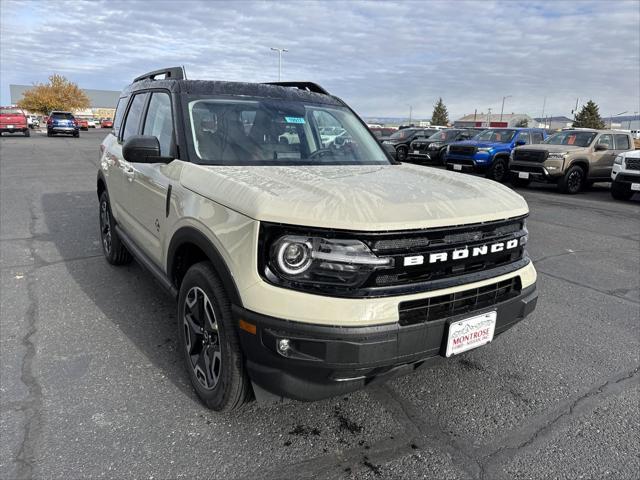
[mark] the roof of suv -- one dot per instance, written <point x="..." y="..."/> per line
<point x="174" y="82"/>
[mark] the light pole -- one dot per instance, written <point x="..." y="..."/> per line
<point x="502" y="109"/>
<point x="410" y="113"/>
<point x="489" y="117"/>
<point x="634" y="118"/>
<point x="279" y="50"/>
<point x="616" y="115"/>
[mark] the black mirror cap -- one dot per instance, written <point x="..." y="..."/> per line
<point x="142" y="149"/>
<point x="600" y="147"/>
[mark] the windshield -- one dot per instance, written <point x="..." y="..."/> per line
<point x="279" y="132"/>
<point x="444" y="135"/>
<point x="571" y="137"/>
<point x="496" y="136"/>
<point x="10" y="111"/>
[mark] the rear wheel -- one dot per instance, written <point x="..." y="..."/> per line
<point x="114" y="251"/>
<point x="49" y="134"/>
<point x="76" y="134"/>
<point x="572" y="181"/>
<point x="27" y="133"/>
<point x="210" y="344"/>
<point x="498" y="170"/>
<point x="621" y="191"/>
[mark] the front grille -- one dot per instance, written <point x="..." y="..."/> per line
<point x="633" y="163"/>
<point x="464" y="150"/>
<point x="443" y="306"/>
<point x="527" y="168"/>
<point x="425" y="243"/>
<point x="530" y="155"/>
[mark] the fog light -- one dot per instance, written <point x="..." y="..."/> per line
<point x="283" y="346"/>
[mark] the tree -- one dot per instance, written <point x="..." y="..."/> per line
<point x="523" y="123"/>
<point x="589" y="116"/>
<point x="440" y="116"/>
<point x="58" y="94"/>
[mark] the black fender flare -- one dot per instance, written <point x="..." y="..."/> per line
<point x="581" y="162"/>
<point x="192" y="235"/>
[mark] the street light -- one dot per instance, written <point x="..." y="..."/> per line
<point x="635" y="114"/>
<point x="279" y="50"/>
<point x="616" y="115"/>
<point x="410" y="113"/>
<point x="502" y="109"/>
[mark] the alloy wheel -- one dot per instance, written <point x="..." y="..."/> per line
<point x="574" y="181"/>
<point x="202" y="339"/>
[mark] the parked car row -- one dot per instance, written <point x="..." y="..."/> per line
<point x="572" y="158"/>
<point x="14" y="120"/>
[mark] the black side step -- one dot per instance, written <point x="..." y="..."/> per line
<point x="144" y="260"/>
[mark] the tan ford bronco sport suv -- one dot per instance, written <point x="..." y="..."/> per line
<point x="302" y="267"/>
<point x="571" y="158"/>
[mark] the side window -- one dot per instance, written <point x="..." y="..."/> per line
<point x="159" y="121"/>
<point x="607" y="140"/>
<point x="117" y="120"/>
<point x="622" y="142"/>
<point x="536" y="137"/>
<point x="524" y="136"/>
<point x="132" y="122"/>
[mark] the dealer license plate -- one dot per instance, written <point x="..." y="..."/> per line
<point x="457" y="167"/>
<point x="524" y="175"/>
<point x="9" y="126"/>
<point x="470" y="333"/>
<point x="416" y="152"/>
<point x="635" y="187"/>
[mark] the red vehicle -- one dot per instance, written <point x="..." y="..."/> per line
<point x="83" y="123"/>
<point x="13" y="120"/>
<point x="106" y="123"/>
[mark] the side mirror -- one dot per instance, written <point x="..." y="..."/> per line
<point x="520" y="143"/>
<point x="600" y="147"/>
<point x="142" y="149"/>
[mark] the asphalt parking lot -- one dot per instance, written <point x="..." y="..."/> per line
<point x="92" y="385"/>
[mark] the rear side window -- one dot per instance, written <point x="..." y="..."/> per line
<point x="117" y="120"/>
<point x="132" y="122"/>
<point x="622" y="142"/>
<point x="159" y="121"/>
<point x="536" y="137"/>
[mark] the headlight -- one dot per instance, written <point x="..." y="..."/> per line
<point x="556" y="156"/>
<point x="447" y="148"/>
<point x="315" y="261"/>
<point x="434" y="146"/>
<point x="484" y="149"/>
<point x="618" y="160"/>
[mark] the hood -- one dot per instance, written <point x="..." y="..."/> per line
<point x="552" y="148"/>
<point x="366" y="198"/>
<point x="475" y="143"/>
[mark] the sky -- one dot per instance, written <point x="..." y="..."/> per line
<point x="380" y="57"/>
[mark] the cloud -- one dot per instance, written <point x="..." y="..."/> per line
<point x="380" y="57"/>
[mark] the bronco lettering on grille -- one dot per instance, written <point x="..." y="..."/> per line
<point x="462" y="253"/>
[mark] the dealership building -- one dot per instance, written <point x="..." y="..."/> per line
<point x="492" y="120"/>
<point x="102" y="103"/>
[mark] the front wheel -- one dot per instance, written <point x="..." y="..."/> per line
<point x="572" y="181"/>
<point x="620" y="191"/>
<point x="209" y="341"/>
<point x="498" y="170"/>
<point x="401" y="153"/>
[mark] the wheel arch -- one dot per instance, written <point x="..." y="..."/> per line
<point x="101" y="183"/>
<point x="189" y="246"/>
<point x="581" y="162"/>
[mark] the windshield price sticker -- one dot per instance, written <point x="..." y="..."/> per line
<point x="294" y="120"/>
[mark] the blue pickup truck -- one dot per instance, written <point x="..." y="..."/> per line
<point x="489" y="151"/>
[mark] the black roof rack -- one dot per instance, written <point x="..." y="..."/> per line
<point x="307" y="86"/>
<point x="174" y="73"/>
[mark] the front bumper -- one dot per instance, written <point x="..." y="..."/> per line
<point x="540" y="172"/>
<point x="324" y="361"/>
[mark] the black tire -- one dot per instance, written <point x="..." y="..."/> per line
<point x="499" y="170"/>
<point x="520" y="182"/>
<point x="401" y="154"/>
<point x="114" y="251"/>
<point x="49" y="134"/>
<point x="76" y="134"/>
<point x="573" y="180"/>
<point x="209" y="341"/>
<point x="621" y="191"/>
<point x="27" y="133"/>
